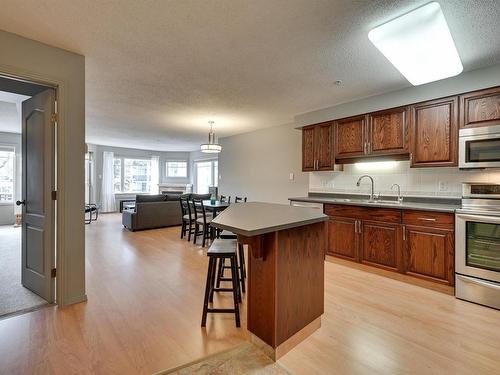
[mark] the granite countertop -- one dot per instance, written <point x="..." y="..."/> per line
<point x="255" y="218"/>
<point x="409" y="203"/>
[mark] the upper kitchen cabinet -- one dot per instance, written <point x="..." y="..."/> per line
<point x="317" y="143"/>
<point x="388" y="132"/>
<point x="434" y="133"/>
<point x="350" y="137"/>
<point x="480" y="108"/>
<point x="376" y="134"/>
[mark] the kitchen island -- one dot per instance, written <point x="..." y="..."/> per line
<point x="285" y="270"/>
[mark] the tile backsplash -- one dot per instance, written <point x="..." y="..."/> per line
<point x="442" y="182"/>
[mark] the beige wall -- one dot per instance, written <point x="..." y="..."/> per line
<point x="37" y="61"/>
<point x="258" y="165"/>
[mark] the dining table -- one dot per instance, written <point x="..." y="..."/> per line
<point x="215" y="206"/>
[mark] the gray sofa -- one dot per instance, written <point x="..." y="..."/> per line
<point x="153" y="211"/>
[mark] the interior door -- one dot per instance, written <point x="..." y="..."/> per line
<point x="37" y="185"/>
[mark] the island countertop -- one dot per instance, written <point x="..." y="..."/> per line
<point x="255" y="218"/>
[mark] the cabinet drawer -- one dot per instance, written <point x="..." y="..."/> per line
<point x="388" y="215"/>
<point x="431" y="219"/>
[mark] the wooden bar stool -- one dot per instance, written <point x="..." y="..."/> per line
<point x="221" y="250"/>
<point x="241" y="263"/>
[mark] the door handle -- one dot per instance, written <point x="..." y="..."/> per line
<point x="23" y="202"/>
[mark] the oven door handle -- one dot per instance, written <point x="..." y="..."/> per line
<point x="478" y="282"/>
<point x="479" y="218"/>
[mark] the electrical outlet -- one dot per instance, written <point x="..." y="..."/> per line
<point x="443" y="186"/>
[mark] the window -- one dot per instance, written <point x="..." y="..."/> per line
<point x="7" y="175"/>
<point x="176" y="169"/>
<point x="207" y="174"/>
<point x="132" y="175"/>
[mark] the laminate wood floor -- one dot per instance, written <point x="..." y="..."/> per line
<point x="145" y="293"/>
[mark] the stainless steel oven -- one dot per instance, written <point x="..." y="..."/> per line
<point x="479" y="147"/>
<point x="477" y="245"/>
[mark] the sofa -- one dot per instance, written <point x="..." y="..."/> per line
<point x="153" y="211"/>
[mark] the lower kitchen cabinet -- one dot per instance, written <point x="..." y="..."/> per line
<point x="343" y="238"/>
<point x="429" y="253"/>
<point x="417" y="243"/>
<point x="380" y="244"/>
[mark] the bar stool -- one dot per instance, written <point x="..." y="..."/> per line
<point x="241" y="263"/>
<point x="221" y="250"/>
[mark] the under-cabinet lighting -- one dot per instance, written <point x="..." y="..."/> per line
<point x="376" y="166"/>
<point x="419" y="45"/>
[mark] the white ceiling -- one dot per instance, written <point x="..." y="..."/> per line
<point x="157" y="71"/>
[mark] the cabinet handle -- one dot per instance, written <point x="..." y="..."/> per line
<point x="365" y="148"/>
<point x="427" y="218"/>
<point x="356" y="226"/>
<point x="404" y="232"/>
<point x="369" y="147"/>
<point x="411" y="157"/>
<point x="360" y="228"/>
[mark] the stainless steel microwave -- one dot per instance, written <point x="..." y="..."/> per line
<point x="479" y="147"/>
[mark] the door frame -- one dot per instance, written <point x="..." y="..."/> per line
<point x="59" y="220"/>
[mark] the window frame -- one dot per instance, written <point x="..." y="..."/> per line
<point x="122" y="173"/>
<point x="11" y="148"/>
<point x="177" y="161"/>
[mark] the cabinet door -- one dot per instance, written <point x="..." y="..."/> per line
<point x="480" y="108"/>
<point x="388" y="132"/>
<point x="308" y="156"/>
<point x="350" y="137"/>
<point x="381" y="244"/>
<point x="324" y="152"/>
<point x="429" y="253"/>
<point x="434" y="133"/>
<point x="342" y="238"/>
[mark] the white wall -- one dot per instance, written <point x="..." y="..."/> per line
<point x="38" y="61"/>
<point x="258" y="165"/>
<point x="8" y="210"/>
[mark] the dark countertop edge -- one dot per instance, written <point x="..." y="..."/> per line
<point x="275" y="228"/>
<point x="432" y="205"/>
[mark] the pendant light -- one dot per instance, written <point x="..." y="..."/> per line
<point x="211" y="147"/>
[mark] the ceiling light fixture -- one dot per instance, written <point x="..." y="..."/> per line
<point x="419" y="45"/>
<point x="211" y="147"/>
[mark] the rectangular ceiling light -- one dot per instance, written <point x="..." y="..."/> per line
<point x="419" y="45"/>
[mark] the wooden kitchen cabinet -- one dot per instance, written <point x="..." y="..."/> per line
<point x="414" y="242"/>
<point x="434" y="133"/>
<point x="480" y="108"/>
<point x="343" y="238"/>
<point x="428" y="245"/>
<point x="380" y="245"/>
<point x="388" y="131"/>
<point x="350" y="137"/>
<point x="317" y="143"/>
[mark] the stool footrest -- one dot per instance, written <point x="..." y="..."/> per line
<point x="220" y="310"/>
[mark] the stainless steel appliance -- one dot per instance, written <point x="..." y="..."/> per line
<point x="479" y="147"/>
<point x="477" y="245"/>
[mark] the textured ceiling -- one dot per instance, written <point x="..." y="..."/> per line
<point x="157" y="71"/>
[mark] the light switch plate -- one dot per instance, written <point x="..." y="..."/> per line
<point x="292" y="176"/>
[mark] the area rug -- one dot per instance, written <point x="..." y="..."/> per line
<point x="245" y="359"/>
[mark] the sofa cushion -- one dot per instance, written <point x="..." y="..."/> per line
<point x="139" y="198"/>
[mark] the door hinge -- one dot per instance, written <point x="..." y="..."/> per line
<point x="54" y="118"/>
<point x="54" y="195"/>
<point x="53" y="272"/>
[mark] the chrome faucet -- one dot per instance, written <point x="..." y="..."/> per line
<point x="400" y="197"/>
<point x="372" y="190"/>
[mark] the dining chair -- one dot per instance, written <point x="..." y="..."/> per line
<point x="223" y="198"/>
<point x="187" y="217"/>
<point x="240" y="199"/>
<point x="203" y="220"/>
